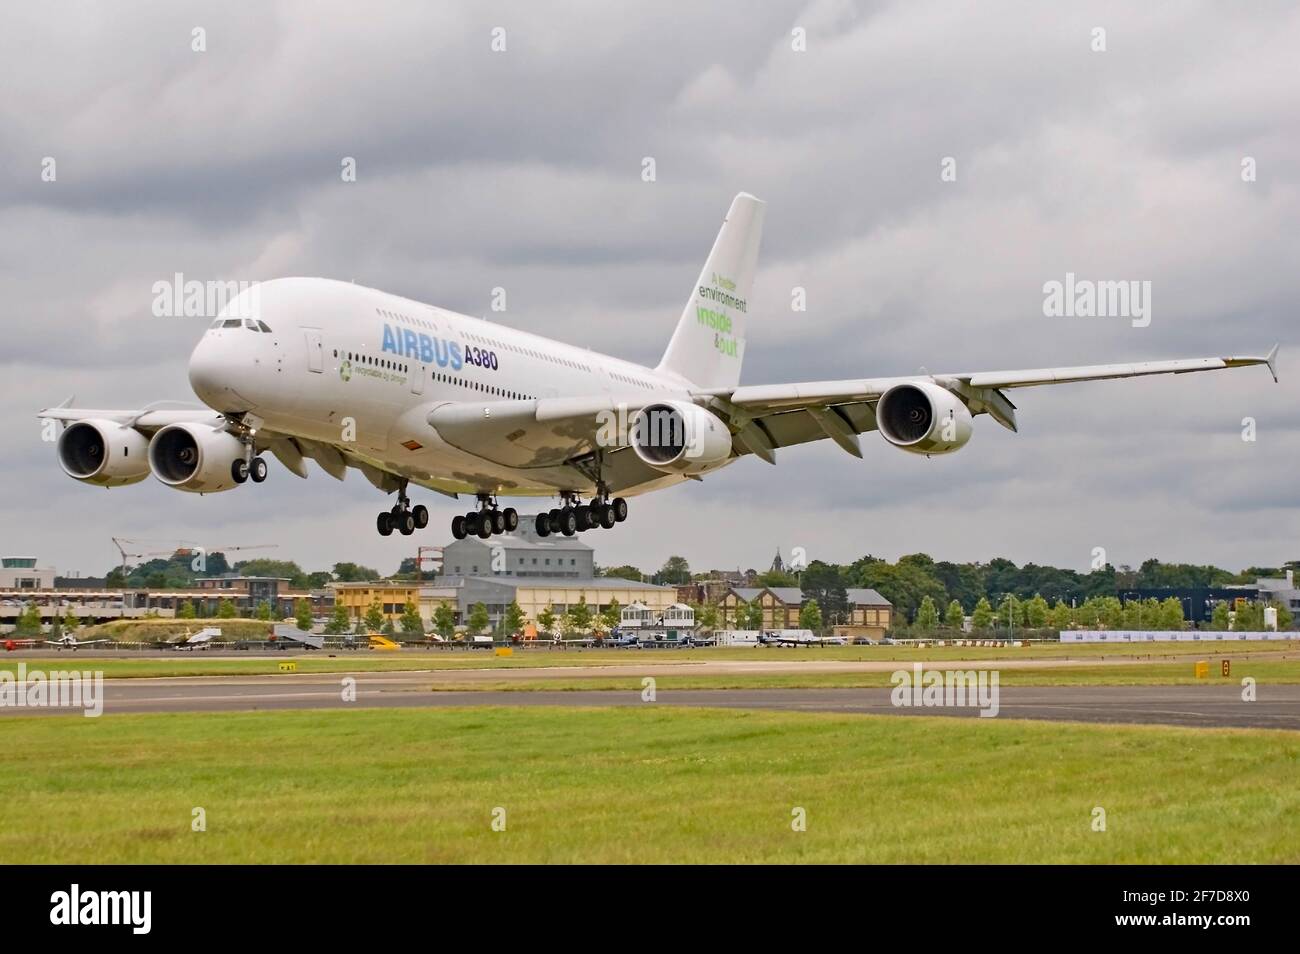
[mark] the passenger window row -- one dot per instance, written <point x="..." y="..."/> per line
<point x="529" y="352"/>
<point x="479" y="386"/>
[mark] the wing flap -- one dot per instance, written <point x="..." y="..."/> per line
<point x="541" y="433"/>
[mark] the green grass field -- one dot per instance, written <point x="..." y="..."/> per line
<point x="124" y="664"/>
<point x="643" y="785"/>
<point x="1264" y="672"/>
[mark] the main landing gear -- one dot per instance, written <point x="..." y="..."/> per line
<point x="574" y="516"/>
<point x="486" y="521"/>
<point x="403" y="518"/>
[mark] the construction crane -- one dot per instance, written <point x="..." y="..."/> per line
<point x="180" y="547"/>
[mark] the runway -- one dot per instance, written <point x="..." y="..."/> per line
<point x="1208" y="706"/>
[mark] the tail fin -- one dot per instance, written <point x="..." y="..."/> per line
<point x="709" y="343"/>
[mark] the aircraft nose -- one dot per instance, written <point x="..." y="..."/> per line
<point x="215" y="374"/>
<point x="204" y="376"/>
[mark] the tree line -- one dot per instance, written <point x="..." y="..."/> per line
<point x="933" y="593"/>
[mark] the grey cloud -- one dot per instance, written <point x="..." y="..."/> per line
<point x="522" y="170"/>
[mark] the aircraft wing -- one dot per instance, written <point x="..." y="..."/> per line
<point x="146" y="420"/>
<point x="553" y="431"/>
<point x="778" y="415"/>
<point x="290" y="451"/>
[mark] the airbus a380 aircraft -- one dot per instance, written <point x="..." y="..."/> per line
<point x="409" y="393"/>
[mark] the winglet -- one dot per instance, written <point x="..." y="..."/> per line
<point x="66" y="402"/>
<point x="1271" y="361"/>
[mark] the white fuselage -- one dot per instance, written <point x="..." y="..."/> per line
<point x="354" y="367"/>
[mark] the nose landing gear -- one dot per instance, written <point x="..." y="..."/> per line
<point x="248" y="466"/>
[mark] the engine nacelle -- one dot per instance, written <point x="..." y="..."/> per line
<point x="923" y="418"/>
<point x="103" y="453"/>
<point x="195" y="457"/>
<point x="677" y="437"/>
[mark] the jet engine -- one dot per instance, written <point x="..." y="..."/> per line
<point x="923" y="418"/>
<point x="196" y="458"/>
<point x="103" y="453"/>
<point x="677" y="437"/>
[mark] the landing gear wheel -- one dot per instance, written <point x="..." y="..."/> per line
<point x="258" y="470"/>
<point x="239" y="471"/>
<point x="484" y="526"/>
<point x="620" y="509"/>
<point x="607" y="518"/>
<point x="554" y="518"/>
<point x="405" y="523"/>
<point x="421" y="514"/>
<point x="568" y="522"/>
<point x="543" y="524"/>
<point x="471" y="524"/>
<point x="582" y="517"/>
<point x="384" y="523"/>
<point x="498" y="522"/>
<point x="458" y="528"/>
<point x="512" y="519"/>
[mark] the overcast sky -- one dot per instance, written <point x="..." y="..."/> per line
<point x="522" y="169"/>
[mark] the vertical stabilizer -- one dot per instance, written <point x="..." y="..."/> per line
<point x="709" y="343"/>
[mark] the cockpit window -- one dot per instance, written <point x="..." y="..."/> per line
<point x="231" y="323"/>
<point x="263" y="326"/>
<point x="215" y="324"/>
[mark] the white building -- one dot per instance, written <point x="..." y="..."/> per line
<point x="641" y="617"/>
<point x="22" y="573"/>
<point x="1281" y="591"/>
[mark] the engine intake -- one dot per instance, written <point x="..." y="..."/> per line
<point x="195" y="458"/>
<point x="923" y="418"/>
<point x="677" y="437"/>
<point x="103" y="453"/>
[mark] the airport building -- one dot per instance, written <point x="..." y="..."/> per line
<point x="870" y="614"/>
<point x="533" y="594"/>
<point x="22" y="573"/>
<point x="1199" y="602"/>
<point x="391" y="595"/>
<point x="521" y="567"/>
<point x="520" y="554"/>
<point x="249" y="590"/>
<point x="1280" y="590"/>
<point x="98" y="604"/>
